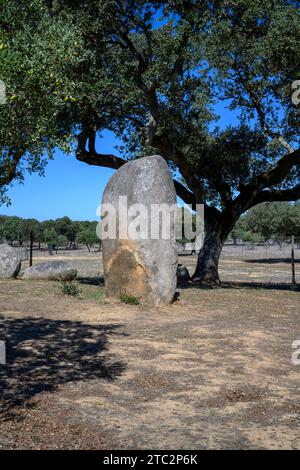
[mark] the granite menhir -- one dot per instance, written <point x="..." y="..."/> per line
<point x="144" y="268"/>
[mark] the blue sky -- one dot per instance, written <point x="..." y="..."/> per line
<point x="70" y="187"/>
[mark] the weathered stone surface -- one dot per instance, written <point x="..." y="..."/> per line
<point x="52" y="270"/>
<point x="183" y="275"/>
<point x="145" y="268"/>
<point x="10" y="262"/>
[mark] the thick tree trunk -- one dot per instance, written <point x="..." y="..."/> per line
<point x="207" y="269"/>
<point x="216" y="232"/>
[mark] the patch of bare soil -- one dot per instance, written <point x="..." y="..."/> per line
<point x="214" y="370"/>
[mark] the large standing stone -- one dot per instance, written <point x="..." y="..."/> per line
<point x="51" y="270"/>
<point x="145" y="268"/>
<point x="10" y="262"/>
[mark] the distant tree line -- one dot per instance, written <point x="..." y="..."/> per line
<point x="276" y="221"/>
<point x="62" y="232"/>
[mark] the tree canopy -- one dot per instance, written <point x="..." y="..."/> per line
<point x="156" y="73"/>
<point x="269" y="221"/>
<point x="60" y="232"/>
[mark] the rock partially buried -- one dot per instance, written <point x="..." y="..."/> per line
<point x="145" y="268"/>
<point x="10" y="262"/>
<point x="52" y="270"/>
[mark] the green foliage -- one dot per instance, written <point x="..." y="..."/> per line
<point x="129" y="299"/>
<point x="2" y="238"/>
<point x="88" y="237"/>
<point x="67" y="228"/>
<point x="11" y="228"/>
<point x="61" y="241"/>
<point x="18" y="229"/>
<point x="57" y="232"/>
<point x="252" y="238"/>
<point x="113" y="65"/>
<point x="36" y="87"/>
<point x="274" y="220"/>
<point x="269" y="221"/>
<point x="70" y="288"/>
<point x="51" y="237"/>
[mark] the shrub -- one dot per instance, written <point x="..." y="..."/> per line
<point x="129" y="299"/>
<point x="70" y="288"/>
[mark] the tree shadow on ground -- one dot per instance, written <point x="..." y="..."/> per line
<point x="243" y="285"/>
<point x="270" y="260"/>
<point x="91" y="281"/>
<point x="260" y="285"/>
<point x="42" y="353"/>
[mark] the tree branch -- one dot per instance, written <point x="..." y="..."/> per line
<point x="256" y="102"/>
<point x="169" y="152"/>
<point x="143" y="64"/>
<point x="253" y="193"/>
<point x="292" y="194"/>
<point x="8" y="169"/>
<point x="277" y="174"/>
<point x="91" y="157"/>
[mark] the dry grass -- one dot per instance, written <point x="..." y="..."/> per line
<point x="213" y="370"/>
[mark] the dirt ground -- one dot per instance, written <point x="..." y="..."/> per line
<point x="212" y="371"/>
